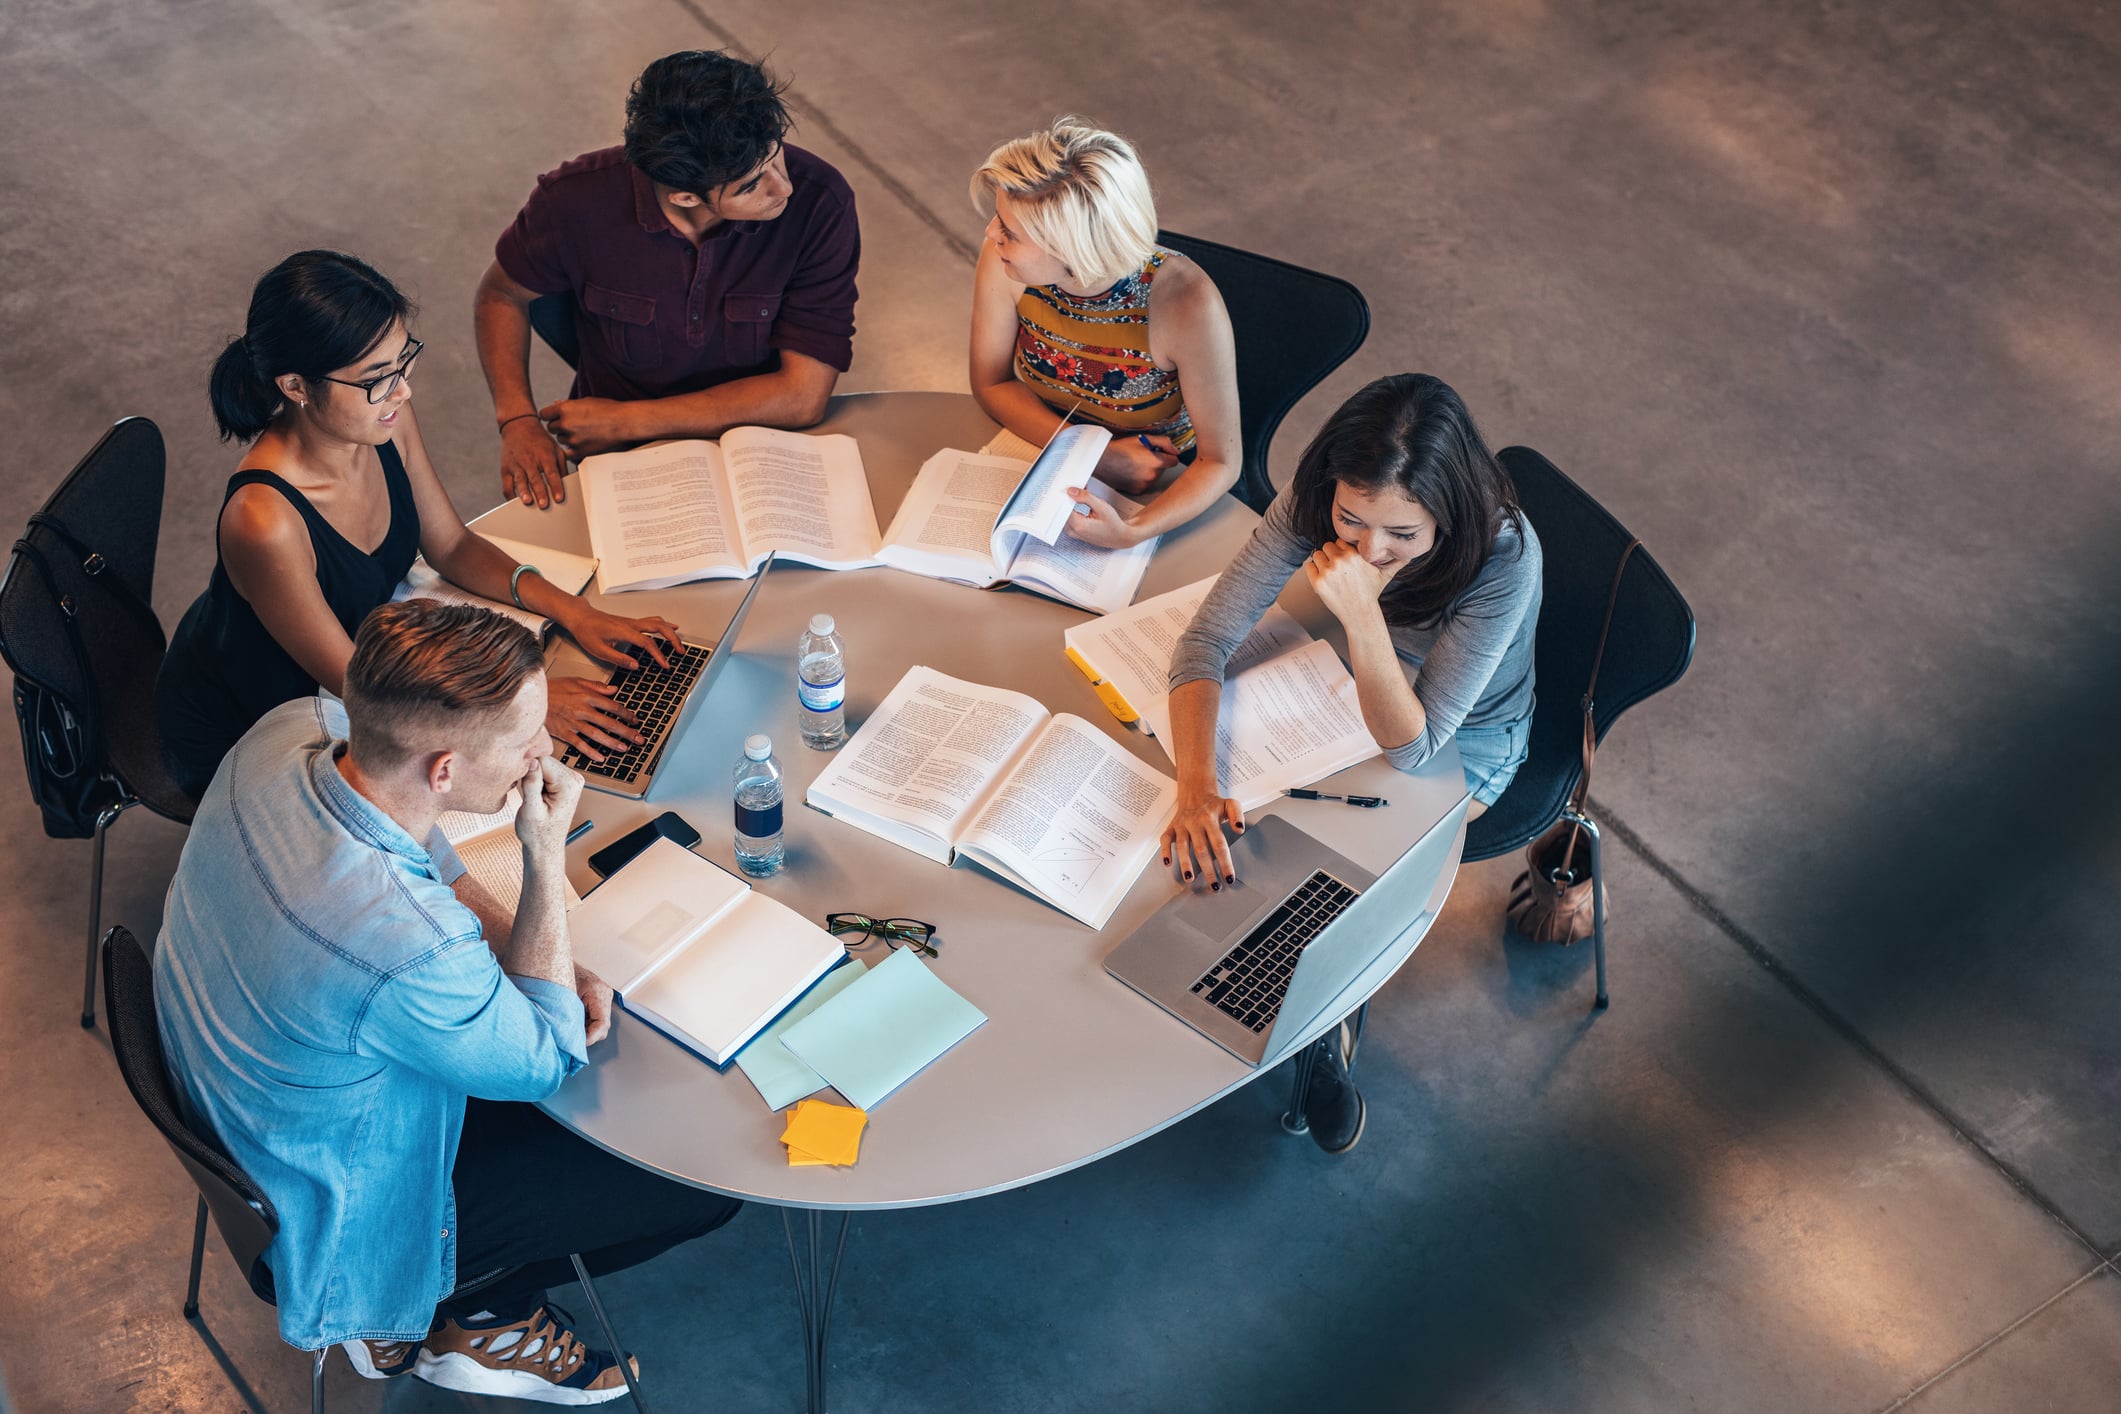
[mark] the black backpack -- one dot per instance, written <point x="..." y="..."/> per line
<point x="58" y="686"/>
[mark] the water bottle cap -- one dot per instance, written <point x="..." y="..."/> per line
<point x="758" y="746"/>
<point x="821" y="624"/>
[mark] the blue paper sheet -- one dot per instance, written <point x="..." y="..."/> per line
<point x="779" y="1075"/>
<point x="883" y="1030"/>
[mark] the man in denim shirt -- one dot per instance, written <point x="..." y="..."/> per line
<point x="329" y="1001"/>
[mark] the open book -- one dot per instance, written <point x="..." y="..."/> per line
<point x="1289" y="714"/>
<point x="679" y="511"/>
<point x="953" y="770"/>
<point x="491" y="852"/>
<point x="694" y="952"/>
<point x="561" y="569"/>
<point x="992" y="520"/>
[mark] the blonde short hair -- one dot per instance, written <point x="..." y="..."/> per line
<point x="1081" y="195"/>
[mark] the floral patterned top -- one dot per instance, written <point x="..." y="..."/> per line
<point x="1097" y="349"/>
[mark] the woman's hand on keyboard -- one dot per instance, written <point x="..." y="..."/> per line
<point x="581" y="714"/>
<point x="606" y="637"/>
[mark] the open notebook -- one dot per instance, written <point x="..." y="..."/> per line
<point x="491" y="852"/>
<point x="559" y="568"/>
<point x="694" y="952"/>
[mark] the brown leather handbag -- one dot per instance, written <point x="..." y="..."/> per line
<point x="1551" y="901"/>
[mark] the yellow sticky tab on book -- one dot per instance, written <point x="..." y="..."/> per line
<point x="1106" y="692"/>
<point x="822" y="1133"/>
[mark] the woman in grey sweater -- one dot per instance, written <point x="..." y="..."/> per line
<point x="1409" y="531"/>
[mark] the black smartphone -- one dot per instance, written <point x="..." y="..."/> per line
<point x="620" y="852"/>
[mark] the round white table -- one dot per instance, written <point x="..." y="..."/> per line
<point x="1079" y="1065"/>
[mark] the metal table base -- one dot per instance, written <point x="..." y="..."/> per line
<point x="814" y="1290"/>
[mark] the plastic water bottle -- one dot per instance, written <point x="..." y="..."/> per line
<point x="821" y="684"/>
<point x="759" y="850"/>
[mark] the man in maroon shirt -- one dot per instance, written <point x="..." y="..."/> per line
<point x="709" y="266"/>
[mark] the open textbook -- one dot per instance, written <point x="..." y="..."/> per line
<point x="951" y="770"/>
<point x="491" y="852"/>
<point x="679" y="511"/>
<point x="561" y="569"/>
<point x="992" y="520"/>
<point x="1289" y="711"/>
<point x="694" y="952"/>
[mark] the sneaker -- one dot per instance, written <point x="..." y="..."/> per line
<point x="536" y="1357"/>
<point x="381" y="1359"/>
<point x="1334" y="1108"/>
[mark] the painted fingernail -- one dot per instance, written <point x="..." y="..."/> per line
<point x="1230" y="878"/>
<point x="1167" y="859"/>
<point x="1215" y="886"/>
<point x="1185" y="873"/>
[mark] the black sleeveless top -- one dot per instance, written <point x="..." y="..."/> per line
<point x="224" y="670"/>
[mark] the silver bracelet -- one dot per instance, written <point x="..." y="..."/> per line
<point x="516" y="579"/>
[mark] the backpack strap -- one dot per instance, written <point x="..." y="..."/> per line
<point x="93" y="564"/>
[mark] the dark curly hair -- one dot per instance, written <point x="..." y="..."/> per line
<point x="1411" y="433"/>
<point x="699" y="119"/>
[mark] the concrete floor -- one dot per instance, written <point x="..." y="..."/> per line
<point x="1818" y="298"/>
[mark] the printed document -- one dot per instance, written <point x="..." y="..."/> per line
<point x="562" y="570"/>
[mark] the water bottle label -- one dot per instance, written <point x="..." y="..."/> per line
<point x="759" y="824"/>
<point x="822" y="696"/>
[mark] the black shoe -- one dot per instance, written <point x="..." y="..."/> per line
<point x="1334" y="1107"/>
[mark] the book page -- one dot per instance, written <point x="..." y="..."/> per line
<point x="657" y="516"/>
<point x="927" y="756"/>
<point x="1079" y="573"/>
<point x="633" y="922"/>
<point x="736" y="975"/>
<point x="945" y="526"/>
<point x="1040" y="505"/>
<point x="1075" y="820"/>
<point x="805" y="497"/>
<point x="492" y="854"/>
<point x="1288" y="722"/>
<point x="1131" y="648"/>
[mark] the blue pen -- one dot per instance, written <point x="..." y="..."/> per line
<point x="580" y="830"/>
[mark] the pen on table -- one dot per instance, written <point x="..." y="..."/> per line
<point x="1368" y="802"/>
<point x="580" y="830"/>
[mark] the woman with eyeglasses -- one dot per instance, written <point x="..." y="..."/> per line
<point x="324" y="515"/>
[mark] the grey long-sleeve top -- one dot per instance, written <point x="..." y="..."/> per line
<point x="1472" y="668"/>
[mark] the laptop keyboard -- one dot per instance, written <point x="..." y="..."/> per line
<point x="1248" y="984"/>
<point x="655" y="696"/>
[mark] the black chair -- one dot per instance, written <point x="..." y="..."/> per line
<point x="1650" y="646"/>
<point x="240" y="1209"/>
<point x="104" y="520"/>
<point x="1292" y="327"/>
<point x="553" y="317"/>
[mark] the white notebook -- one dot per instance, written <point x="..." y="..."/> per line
<point x="694" y="952"/>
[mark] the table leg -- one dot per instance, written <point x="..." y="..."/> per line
<point x="814" y="1288"/>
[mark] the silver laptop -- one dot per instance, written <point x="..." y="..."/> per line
<point x="664" y="700"/>
<point x="1274" y="950"/>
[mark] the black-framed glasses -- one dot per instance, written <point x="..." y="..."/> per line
<point x="854" y="929"/>
<point x="380" y="388"/>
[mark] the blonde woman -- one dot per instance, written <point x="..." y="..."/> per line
<point x="1075" y="306"/>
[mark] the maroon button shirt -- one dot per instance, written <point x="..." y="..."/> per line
<point x="657" y="315"/>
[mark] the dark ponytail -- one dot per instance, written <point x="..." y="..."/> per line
<point x="315" y="311"/>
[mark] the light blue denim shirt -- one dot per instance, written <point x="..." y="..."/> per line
<point x="327" y="1004"/>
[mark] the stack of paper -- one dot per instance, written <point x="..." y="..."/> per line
<point x="883" y="1029"/>
<point x="563" y="570"/>
<point x="777" y="1072"/>
<point x="822" y="1133"/>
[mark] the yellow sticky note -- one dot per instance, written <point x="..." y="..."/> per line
<point x="822" y="1133"/>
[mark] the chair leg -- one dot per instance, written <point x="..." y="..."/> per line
<point x="95" y="910"/>
<point x="618" y="1353"/>
<point x="316" y="1380"/>
<point x="198" y="1256"/>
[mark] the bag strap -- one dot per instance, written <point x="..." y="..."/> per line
<point x="91" y="727"/>
<point x="93" y="564"/>
<point x="1590" y="694"/>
